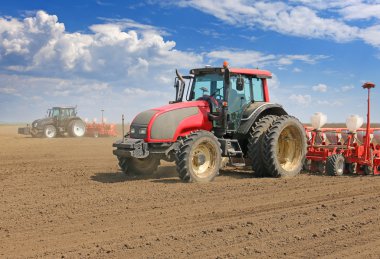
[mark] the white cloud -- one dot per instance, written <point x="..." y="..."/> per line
<point x="41" y="45"/>
<point x="335" y="103"/>
<point x="121" y="66"/>
<point x="304" y="100"/>
<point x="347" y="88"/>
<point x="138" y="92"/>
<point x="258" y="59"/>
<point x="303" y="18"/>
<point x="297" y="70"/>
<point x="360" y="11"/>
<point x="322" y="88"/>
<point x="8" y="90"/>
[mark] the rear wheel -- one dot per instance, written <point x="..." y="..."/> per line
<point x="284" y="147"/>
<point x="335" y="165"/>
<point x="142" y="166"/>
<point x="50" y="131"/>
<point x="255" y="145"/>
<point x="199" y="157"/>
<point x="77" y="128"/>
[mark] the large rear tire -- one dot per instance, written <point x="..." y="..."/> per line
<point x="255" y="144"/>
<point x="284" y="147"/>
<point x="199" y="157"/>
<point x="335" y="165"/>
<point x="50" y="131"/>
<point x="77" y="128"/>
<point x="141" y="166"/>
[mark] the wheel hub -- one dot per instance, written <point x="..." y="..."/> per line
<point x="200" y="160"/>
<point x="203" y="160"/>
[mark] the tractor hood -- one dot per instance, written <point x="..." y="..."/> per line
<point x="167" y="122"/>
<point x="40" y="123"/>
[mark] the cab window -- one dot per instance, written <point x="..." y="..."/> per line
<point x="208" y="84"/>
<point x="237" y="99"/>
<point x="55" y="112"/>
<point x="258" y="93"/>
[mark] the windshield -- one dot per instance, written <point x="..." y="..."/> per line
<point x="208" y="84"/>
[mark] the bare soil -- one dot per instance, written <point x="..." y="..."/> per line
<point x="66" y="198"/>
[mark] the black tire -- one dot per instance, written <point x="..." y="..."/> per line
<point x="76" y="128"/>
<point x="321" y="167"/>
<point x="199" y="157"/>
<point x="285" y="147"/>
<point x="351" y="168"/>
<point x="256" y="143"/>
<point x="368" y="170"/>
<point x="50" y="131"/>
<point x="335" y="165"/>
<point x="307" y="165"/>
<point x="141" y="166"/>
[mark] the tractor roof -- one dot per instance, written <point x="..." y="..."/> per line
<point x="64" y="107"/>
<point x="254" y="72"/>
<point x="245" y="71"/>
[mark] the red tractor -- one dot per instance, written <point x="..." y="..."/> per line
<point x="226" y="113"/>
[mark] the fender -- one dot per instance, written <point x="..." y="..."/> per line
<point x="254" y="112"/>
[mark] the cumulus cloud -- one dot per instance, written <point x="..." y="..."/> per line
<point x="117" y="65"/>
<point x="41" y="45"/>
<point x="322" y="88"/>
<point x="300" y="99"/>
<point x="291" y="18"/>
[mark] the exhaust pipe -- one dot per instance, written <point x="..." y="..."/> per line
<point x="122" y="125"/>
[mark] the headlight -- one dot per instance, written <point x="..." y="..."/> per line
<point x="35" y="124"/>
<point x="133" y="131"/>
<point x="142" y="131"/>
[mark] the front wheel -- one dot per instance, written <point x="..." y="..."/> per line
<point x="142" y="166"/>
<point x="199" y="157"/>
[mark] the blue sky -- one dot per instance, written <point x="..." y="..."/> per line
<point x="120" y="56"/>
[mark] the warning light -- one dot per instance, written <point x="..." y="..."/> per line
<point x="225" y="64"/>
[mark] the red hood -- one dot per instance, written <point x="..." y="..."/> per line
<point x="181" y="105"/>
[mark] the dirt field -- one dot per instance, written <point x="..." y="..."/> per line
<point x="65" y="198"/>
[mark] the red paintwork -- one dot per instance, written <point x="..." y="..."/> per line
<point x="266" y="91"/>
<point x="248" y="71"/>
<point x="256" y="72"/>
<point x="103" y="129"/>
<point x="364" y="154"/>
<point x="196" y="122"/>
<point x="200" y="121"/>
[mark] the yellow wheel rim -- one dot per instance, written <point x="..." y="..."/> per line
<point x="289" y="148"/>
<point x="203" y="160"/>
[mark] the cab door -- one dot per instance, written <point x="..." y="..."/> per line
<point x="238" y="100"/>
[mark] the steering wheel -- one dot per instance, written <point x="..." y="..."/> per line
<point x="214" y="102"/>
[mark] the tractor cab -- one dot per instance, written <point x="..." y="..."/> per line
<point x="63" y="112"/>
<point x="229" y="91"/>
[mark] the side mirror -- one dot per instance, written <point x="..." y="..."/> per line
<point x="240" y="83"/>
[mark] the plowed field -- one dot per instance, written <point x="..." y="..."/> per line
<point x="65" y="198"/>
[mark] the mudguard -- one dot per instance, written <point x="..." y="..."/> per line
<point x="256" y="111"/>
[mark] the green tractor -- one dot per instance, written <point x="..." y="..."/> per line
<point x="58" y="122"/>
